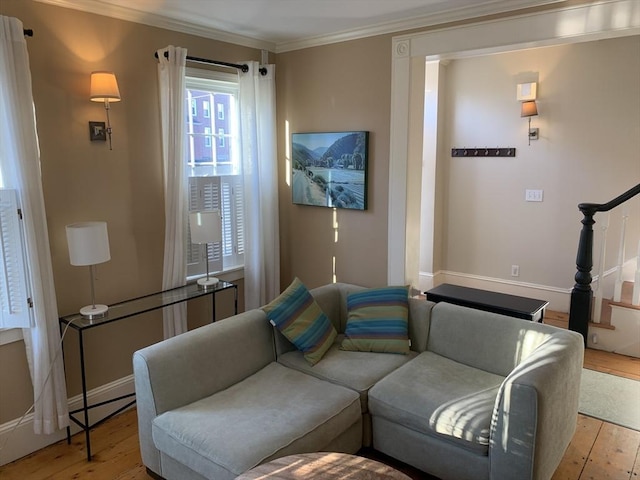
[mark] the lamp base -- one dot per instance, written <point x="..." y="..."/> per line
<point x="207" y="283"/>
<point x="94" y="311"/>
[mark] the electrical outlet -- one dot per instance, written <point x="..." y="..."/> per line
<point x="515" y="270"/>
<point x="533" y="195"/>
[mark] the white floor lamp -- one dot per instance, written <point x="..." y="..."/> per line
<point x="206" y="227"/>
<point x="89" y="245"/>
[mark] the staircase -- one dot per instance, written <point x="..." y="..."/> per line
<point x="620" y="332"/>
<point x="619" y="328"/>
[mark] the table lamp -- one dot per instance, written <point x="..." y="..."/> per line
<point x="89" y="245"/>
<point x="206" y="227"/>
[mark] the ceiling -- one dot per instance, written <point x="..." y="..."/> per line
<point x="281" y="25"/>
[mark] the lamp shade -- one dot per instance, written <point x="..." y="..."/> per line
<point x="529" y="109"/>
<point x="206" y="226"/>
<point x="104" y="87"/>
<point x="88" y="243"/>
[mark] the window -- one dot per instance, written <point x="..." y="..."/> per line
<point x="194" y="108"/>
<point x="214" y="170"/>
<point x="205" y="109"/>
<point x="14" y="295"/>
<point x="220" y="111"/>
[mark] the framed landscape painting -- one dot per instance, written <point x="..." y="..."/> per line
<point x="330" y="169"/>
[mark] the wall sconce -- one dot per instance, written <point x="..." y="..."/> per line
<point x="530" y="109"/>
<point x="526" y="93"/>
<point x="104" y="88"/>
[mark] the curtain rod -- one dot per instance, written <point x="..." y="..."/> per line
<point x="27" y="32"/>
<point x="244" y="67"/>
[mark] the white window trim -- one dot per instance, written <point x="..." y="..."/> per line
<point x="10" y="335"/>
<point x="234" y="272"/>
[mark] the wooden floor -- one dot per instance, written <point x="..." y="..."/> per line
<point x="598" y="451"/>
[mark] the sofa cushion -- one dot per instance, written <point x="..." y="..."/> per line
<point x="377" y="320"/>
<point x="440" y="397"/>
<point x="358" y="371"/>
<point x="297" y="315"/>
<point x="275" y="412"/>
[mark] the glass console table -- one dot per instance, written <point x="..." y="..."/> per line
<point x="121" y="311"/>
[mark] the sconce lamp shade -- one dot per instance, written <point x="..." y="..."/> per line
<point x="88" y="243"/>
<point x="529" y="109"/>
<point x="206" y="226"/>
<point x="104" y="87"/>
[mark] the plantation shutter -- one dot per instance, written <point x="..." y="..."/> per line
<point x="233" y="219"/>
<point x="204" y="194"/>
<point x="14" y="301"/>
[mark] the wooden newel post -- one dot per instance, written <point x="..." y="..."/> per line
<point x="581" y="295"/>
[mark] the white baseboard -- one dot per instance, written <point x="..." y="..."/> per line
<point x="558" y="298"/>
<point x="19" y="441"/>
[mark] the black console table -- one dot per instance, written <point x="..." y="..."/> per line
<point x="511" y="305"/>
<point x="121" y="311"/>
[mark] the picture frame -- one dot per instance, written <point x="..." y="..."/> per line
<point x="329" y="169"/>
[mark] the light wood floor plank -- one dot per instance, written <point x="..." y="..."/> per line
<point x="635" y="474"/>
<point x="579" y="449"/>
<point x="613" y="454"/>
<point x="615" y="364"/>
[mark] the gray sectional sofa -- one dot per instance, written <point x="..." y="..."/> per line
<point x="479" y="396"/>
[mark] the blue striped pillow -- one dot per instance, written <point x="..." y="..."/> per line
<point x="297" y="315"/>
<point x="377" y="321"/>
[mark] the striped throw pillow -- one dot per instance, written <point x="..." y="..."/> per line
<point x="297" y="315"/>
<point x="377" y="321"/>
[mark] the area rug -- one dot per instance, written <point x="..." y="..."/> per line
<point x="610" y="398"/>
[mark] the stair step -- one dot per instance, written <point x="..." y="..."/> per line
<point x="625" y="301"/>
<point x="626" y="296"/>
<point x="606" y="326"/>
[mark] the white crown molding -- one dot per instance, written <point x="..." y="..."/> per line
<point x="155" y="20"/>
<point x="495" y="8"/>
<point x="124" y="13"/>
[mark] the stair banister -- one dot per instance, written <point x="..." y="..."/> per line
<point x="580" y="309"/>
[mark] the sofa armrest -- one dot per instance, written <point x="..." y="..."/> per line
<point x="194" y="365"/>
<point x="536" y="410"/>
<point x="419" y="321"/>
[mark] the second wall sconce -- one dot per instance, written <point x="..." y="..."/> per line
<point x="527" y="95"/>
<point x="104" y="88"/>
<point x="530" y="109"/>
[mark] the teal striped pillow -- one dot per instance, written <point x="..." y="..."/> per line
<point x="297" y="315"/>
<point x="377" y="321"/>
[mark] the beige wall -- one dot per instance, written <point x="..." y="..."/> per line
<point x="589" y="120"/>
<point x="85" y="181"/>
<point x="338" y="87"/>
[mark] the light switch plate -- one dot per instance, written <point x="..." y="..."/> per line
<point x="533" y="195"/>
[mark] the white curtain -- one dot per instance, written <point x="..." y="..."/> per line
<point x="171" y="77"/>
<point x="260" y="176"/>
<point x="20" y="167"/>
